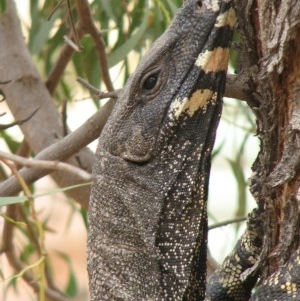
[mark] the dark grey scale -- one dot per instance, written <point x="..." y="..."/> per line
<point x="147" y="212"/>
<point x="213" y="81"/>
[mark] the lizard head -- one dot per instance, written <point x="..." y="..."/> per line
<point x="148" y="220"/>
<point x="176" y="80"/>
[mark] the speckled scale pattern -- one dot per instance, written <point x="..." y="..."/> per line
<point x="227" y="283"/>
<point x="147" y="211"/>
<point x="181" y="236"/>
<point x="283" y="285"/>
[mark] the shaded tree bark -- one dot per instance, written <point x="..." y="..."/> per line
<point x="270" y="68"/>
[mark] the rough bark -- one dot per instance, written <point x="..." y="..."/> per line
<point x="270" y="61"/>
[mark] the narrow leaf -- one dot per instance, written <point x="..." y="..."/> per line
<point x="120" y="53"/>
<point x="2" y="6"/>
<point x="58" y="190"/>
<point x="42" y="35"/>
<point x="71" y="289"/>
<point x="9" y="200"/>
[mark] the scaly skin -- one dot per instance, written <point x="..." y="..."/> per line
<point x="228" y="282"/>
<point x="147" y="214"/>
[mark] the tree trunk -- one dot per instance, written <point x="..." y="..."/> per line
<point x="270" y="70"/>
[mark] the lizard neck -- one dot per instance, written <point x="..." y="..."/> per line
<point x="147" y="214"/>
<point x="160" y="207"/>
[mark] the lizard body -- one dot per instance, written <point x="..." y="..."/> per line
<point x="229" y="283"/>
<point x="147" y="214"/>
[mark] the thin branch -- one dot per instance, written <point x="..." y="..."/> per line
<point x="40" y="237"/>
<point x="96" y="92"/>
<point x="15" y="262"/>
<point x="34" y="239"/>
<point x="64" y="117"/>
<point x="19" y="122"/>
<point x="13" y="259"/>
<point x="235" y="88"/>
<point x="55" y="9"/>
<point x="228" y="222"/>
<point x="76" y="36"/>
<point x="44" y="164"/>
<point x="72" y="44"/>
<point x="87" y="24"/>
<point x="60" y="65"/>
<point x="61" y="150"/>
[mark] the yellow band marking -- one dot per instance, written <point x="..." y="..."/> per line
<point x="213" y="61"/>
<point x="199" y="99"/>
<point x="212" y="5"/>
<point x="226" y="19"/>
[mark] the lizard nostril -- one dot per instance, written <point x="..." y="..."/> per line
<point x="199" y="3"/>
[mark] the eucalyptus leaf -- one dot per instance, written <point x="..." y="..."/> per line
<point x="172" y="6"/>
<point x="71" y="289"/>
<point x="42" y="35"/>
<point x="9" y="200"/>
<point x="107" y="6"/>
<point x="72" y="286"/>
<point x="120" y="53"/>
<point x="2" y="6"/>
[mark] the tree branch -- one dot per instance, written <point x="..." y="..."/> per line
<point x="228" y="222"/>
<point x="236" y="87"/>
<point x="96" y="92"/>
<point x="85" y="26"/>
<point x="6" y="126"/>
<point x="20" y="81"/>
<point x="62" y="150"/>
<point x="9" y="249"/>
<point x="62" y="62"/>
<point x="44" y="164"/>
<point x="88" y="26"/>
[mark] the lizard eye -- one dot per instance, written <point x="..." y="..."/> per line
<point x="153" y="81"/>
<point x="150" y="82"/>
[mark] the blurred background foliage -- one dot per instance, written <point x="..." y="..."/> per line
<point x="128" y="28"/>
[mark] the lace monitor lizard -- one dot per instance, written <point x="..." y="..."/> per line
<point x="147" y="213"/>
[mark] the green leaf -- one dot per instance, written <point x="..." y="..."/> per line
<point x="40" y="38"/>
<point x="121" y="53"/>
<point x="83" y="213"/>
<point x="63" y="189"/>
<point x="9" y="200"/>
<point x="2" y="6"/>
<point x="172" y="6"/>
<point x="12" y="144"/>
<point x="27" y="252"/>
<point x="108" y="8"/>
<point x="71" y="288"/>
<point x="164" y="10"/>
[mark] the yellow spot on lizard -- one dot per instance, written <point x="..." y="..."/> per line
<point x="214" y="60"/>
<point x="199" y="99"/>
<point x="226" y="19"/>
